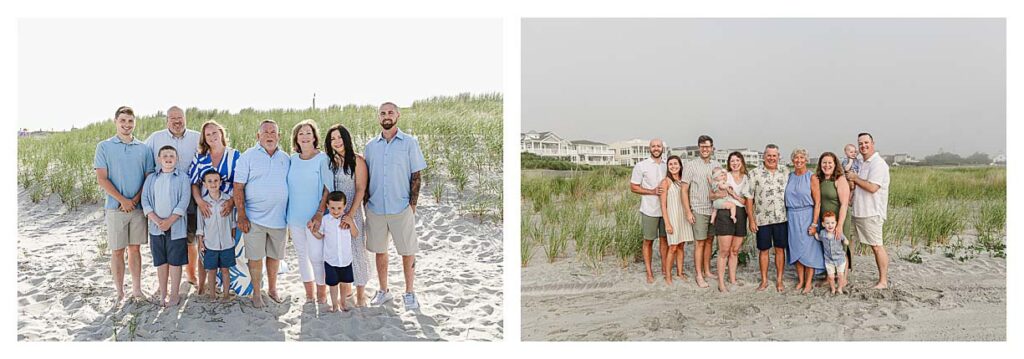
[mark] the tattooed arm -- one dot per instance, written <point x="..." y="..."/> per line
<point x="414" y="190"/>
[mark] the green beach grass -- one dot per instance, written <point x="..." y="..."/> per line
<point x="959" y="210"/>
<point x="460" y="136"/>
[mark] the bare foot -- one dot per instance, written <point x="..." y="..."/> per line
<point x="310" y="299"/>
<point x="344" y="309"/>
<point x="257" y="301"/>
<point x="172" y="301"/>
<point x="762" y="287"/>
<point x="881" y="285"/>
<point x="274" y="297"/>
<point x="361" y="302"/>
<point x="331" y="309"/>
<point x="682" y="275"/>
<point x="226" y="296"/>
<point x="807" y="289"/>
<point x="701" y="283"/>
<point x="138" y="295"/>
<point x="834" y="291"/>
<point x="120" y="297"/>
<point x="650" y="279"/>
<point x="722" y="288"/>
<point x="779" y="287"/>
<point x="668" y="280"/>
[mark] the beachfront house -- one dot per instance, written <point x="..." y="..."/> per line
<point x="628" y="153"/>
<point x="547" y="144"/>
<point x="593" y="153"/>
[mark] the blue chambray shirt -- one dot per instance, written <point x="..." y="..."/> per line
<point x="178" y="192"/>
<point x="127" y="165"/>
<point x="391" y="165"/>
<point x="266" y="185"/>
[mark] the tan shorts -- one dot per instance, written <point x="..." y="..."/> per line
<point x="702" y="227"/>
<point x="124" y="229"/>
<point x="401" y="227"/>
<point x="262" y="242"/>
<point x="869" y="230"/>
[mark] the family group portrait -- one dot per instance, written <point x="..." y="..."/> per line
<point x="763" y="180"/>
<point x="365" y="212"/>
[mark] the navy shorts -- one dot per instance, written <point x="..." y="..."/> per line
<point x="168" y="251"/>
<point x="219" y="259"/>
<point x="334" y="275"/>
<point x="772" y="235"/>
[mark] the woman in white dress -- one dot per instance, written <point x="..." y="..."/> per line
<point x="678" y="229"/>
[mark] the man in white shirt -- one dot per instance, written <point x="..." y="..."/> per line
<point x="647" y="174"/>
<point x="870" y="203"/>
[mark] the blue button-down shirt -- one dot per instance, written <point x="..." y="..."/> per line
<point x="391" y="165"/>
<point x="127" y="165"/>
<point x="266" y="185"/>
<point x="177" y="193"/>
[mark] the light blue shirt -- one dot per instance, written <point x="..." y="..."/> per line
<point x="127" y="165"/>
<point x="306" y="182"/>
<point x="266" y="185"/>
<point x="175" y="200"/>
<point x="187" y="145"/>
<point x="391" y="165"/>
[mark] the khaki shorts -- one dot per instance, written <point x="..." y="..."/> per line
<point x="652" y="227"/>
<point x="869" y="229"/>
<point x="702" y="227"/>
<point x="124" y="229"/>
<point x="262" y="242"/>
<point x="401" y="227"/>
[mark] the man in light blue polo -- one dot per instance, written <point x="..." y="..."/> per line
<point x="261" y="196"/>
<point x="122" y="163"/>
<point x="186" y="143"/>
<point x="394" y="160"/>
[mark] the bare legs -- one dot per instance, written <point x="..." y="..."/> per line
<point x="409" y="272"/>
<point x="680" y="259"/>
<point x="882" y="260"/>
<point x="382" y="270"/>
<point x="175" y="275"/>
<point x="708" y="244"/>
<point x="699" y="263"/>
<point x="272" y="266"/>
<point x="256" y="273"/>
<point x="666" y="263"/>
<point x="724" y="245"/>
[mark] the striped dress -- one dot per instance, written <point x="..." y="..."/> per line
<point x="203" y="162"/>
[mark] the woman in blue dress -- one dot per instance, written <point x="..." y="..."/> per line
<point x="805" y="252"/>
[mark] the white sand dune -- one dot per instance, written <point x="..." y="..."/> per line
<point x="939" y="299"/>
<point x="65" y="291"/>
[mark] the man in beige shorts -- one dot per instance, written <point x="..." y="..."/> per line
<point x="394" y="161"/>
<point x="122" y="163"/>
<point x="261" y="198"/>
<point x="870" y="203"/>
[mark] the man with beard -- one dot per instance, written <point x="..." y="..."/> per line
<point x="871" y="202"/>
<point x="394" y="160"/>
<point x="766" y="214"/>
<point x="697" y="198"/>
<point x="647" y="176"/>
<point x="122" y="163"/>
<point x="186" y="143"/>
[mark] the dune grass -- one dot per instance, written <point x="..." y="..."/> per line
<point x="460" y="137"/>
<point x="929" y="207"/>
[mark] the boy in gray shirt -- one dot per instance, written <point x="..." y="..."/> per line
<point x="216" y="235"/>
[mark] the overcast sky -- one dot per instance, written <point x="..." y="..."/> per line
<point x="916" y="84"/>
<point x="73" y="72"/>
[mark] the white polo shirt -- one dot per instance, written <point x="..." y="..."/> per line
<point x="648" y="174"/>
<point x="867" y="204"/>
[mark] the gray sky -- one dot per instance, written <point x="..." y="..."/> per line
<point x="77" y="71"/>
<point x="916" y="84"/>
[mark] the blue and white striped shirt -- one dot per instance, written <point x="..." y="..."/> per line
<point x="203" y="162"/>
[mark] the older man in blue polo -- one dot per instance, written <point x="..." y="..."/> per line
<point x="394" y="160"/>
<point x="261" y="199"/>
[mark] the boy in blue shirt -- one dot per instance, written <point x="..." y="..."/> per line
<point x="165" y="196"/>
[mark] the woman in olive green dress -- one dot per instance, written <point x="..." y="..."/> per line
<point x="835" y="194"/>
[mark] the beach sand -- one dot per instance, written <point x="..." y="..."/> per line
<point x="939" y="299"/>
<point x="65" y="291"/>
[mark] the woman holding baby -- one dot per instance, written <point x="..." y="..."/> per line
<point x="730" y="216"/>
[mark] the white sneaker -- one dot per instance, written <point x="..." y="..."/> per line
<point x="410" y="301"/>
<point x="381" y="297"/>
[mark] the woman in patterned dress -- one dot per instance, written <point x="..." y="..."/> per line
<point x="350" y="176"/>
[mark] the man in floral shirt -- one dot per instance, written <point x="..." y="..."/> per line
<point x="766" y="213"/>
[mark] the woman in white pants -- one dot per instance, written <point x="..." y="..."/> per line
<point x="309" y="181"/>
